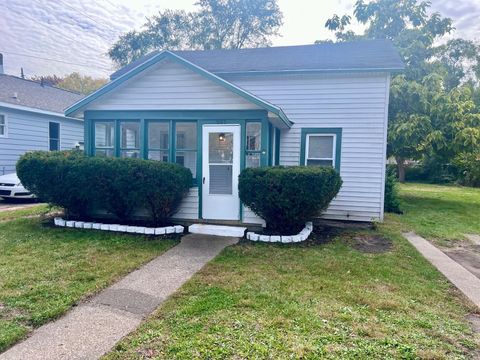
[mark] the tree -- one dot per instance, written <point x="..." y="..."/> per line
<point x="217" y="24"/>
<point x="83" y="84"/>
<point x="49" y="80"/>
<point x="432" y="112"/>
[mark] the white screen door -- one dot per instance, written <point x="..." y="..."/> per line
<point x="221" y="167"/>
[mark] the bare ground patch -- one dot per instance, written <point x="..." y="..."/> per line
<point x="371" y="243"/>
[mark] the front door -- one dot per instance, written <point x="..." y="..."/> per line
<point x="221" y="167"/>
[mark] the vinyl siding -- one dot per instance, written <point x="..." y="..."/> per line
<point x="357" y="103"/>
<point x="28" y="131"/>
<point x="170" y="86"/>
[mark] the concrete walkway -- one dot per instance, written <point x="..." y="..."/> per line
<point x="91" y="329"/>
<point x="463" y="279"/>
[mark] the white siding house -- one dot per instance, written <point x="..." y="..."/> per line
<point x="31" y="118"/>
<point x="302" y="105"/>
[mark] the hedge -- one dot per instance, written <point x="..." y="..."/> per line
<point x="287" y="197"/>
<point x="82" y="184"/>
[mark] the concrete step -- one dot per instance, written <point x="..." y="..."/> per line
<point x="217" y="230"/>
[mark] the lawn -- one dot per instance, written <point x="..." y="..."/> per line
<point x="46" y="270"/>
<point x="440" y="213"/>
<point x="322" y="300"/>
<point x="30" y="211"/>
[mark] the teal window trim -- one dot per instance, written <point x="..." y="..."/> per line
<point x="277" y="147"/>
<point x="337" y="132"/>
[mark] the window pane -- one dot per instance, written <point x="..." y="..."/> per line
<point x="158" y="135"/>
<point x="130" y="154"/>
<point x="186" y="136"/>
<point x="319" y="163"/>
<point x="187" y="159"/>
<point x="220" y="147"/>
<point x="253" y="160"/>
<point x="2" y="125"/>
<point x="104" y="152"/>
<point x="130" y="135"/>
<point x="54" y="145"/>
<point x="254" y="136"/>
<point x="320" y="146"/>
<point x="54" y="130"/>
<point x="158" y="155"/>
<point x="104" y="134"/>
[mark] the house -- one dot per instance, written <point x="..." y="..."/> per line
<point x="31" y="118"/>
<point x="220" y="111"/>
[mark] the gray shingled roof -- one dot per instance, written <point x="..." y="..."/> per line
<point x="32" y="94"/>
<point x="355" y="55"/>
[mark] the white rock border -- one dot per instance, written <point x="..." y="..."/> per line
<point x="177" y="229"/>
<point x="285" y="239"/>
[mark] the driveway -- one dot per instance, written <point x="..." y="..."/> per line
<point x="16" y="205"/>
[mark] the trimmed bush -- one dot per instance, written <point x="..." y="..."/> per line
<point x="287" y="197"/>
<point x="81" y="184"/>
<point x="391" y="199"/>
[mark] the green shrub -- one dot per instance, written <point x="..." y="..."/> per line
<point x="287" y="197"/>
<point x="469" y="168"/>
<point x="81" y="184"/>
<point x="391" y="199"/>
<point x="45" y="174"/>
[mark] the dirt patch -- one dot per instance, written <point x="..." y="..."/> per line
<point x="474" y="320"/>
<point x="465" y="254"/>
<point x="8" y="313"/>
<point x="372" y="244"/>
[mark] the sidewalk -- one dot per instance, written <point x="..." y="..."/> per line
<point x="95" y="326"/>
<point x="463" y="279"/>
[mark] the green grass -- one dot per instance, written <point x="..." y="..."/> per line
<point x="264" y="301"/>
<point x="35" y="210"/>
<point x="439" y="213"/>
<point x="45" y="270"/>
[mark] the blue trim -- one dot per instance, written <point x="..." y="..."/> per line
<point x="176" y="114"/>
<point x="338" y="143"/>
<point x="168" y="55"/>
<point x="277" y="147"/>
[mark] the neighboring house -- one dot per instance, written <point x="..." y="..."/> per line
<point x="31" y="118"/>
<point x="220" y="111"/>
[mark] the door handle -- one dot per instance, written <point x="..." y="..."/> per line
<point x="203" y="180"/>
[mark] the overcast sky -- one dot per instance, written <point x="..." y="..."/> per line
<point x="61" y="36"/>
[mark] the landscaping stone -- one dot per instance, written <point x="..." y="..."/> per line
<point x="87" y="225"/>
<point x="265" y="238"/>
<point x="149" y="231"/>
<point x="179" y="229"/>
<point x="274" y="238"/>
<point x="96" y="226"/>
<point x="160" y="231"/>
<point x="170" y="230"/>
<point x="105" y="227"/>
<point x="79" y="224"/>
<point x="302" y="236"/>
<point x="70" y="224"/>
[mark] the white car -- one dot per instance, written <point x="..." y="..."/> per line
<point x="12" y="188"/>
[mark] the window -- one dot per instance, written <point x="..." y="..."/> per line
<point x="3" y="125"/>
<point x="321" y="147"/>
<point x="253" y="144"/>
<point x="158" y="141"/>
<point x="54" y="136"/>
<point x="186" y="145"/>
<point x="105" y="138"/>
<point x="130" y="139"/>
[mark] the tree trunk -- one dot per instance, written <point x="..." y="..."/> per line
<point x="401" y="169"/>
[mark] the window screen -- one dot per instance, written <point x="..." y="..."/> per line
<point x="320" y="150"/>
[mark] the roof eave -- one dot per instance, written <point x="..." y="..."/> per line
<point x="307" y="71"/>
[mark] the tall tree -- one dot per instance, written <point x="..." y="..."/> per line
<point x="417" y="115"/>
<point x="83" y="84"/>
<point x="217" y="24"/>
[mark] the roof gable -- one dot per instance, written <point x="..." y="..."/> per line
<point x="166" y="55"/>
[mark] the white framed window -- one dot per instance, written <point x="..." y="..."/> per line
<point x="3" y="125"/>
<point x="53" y="136"/>
<point x="320" y="150"/>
